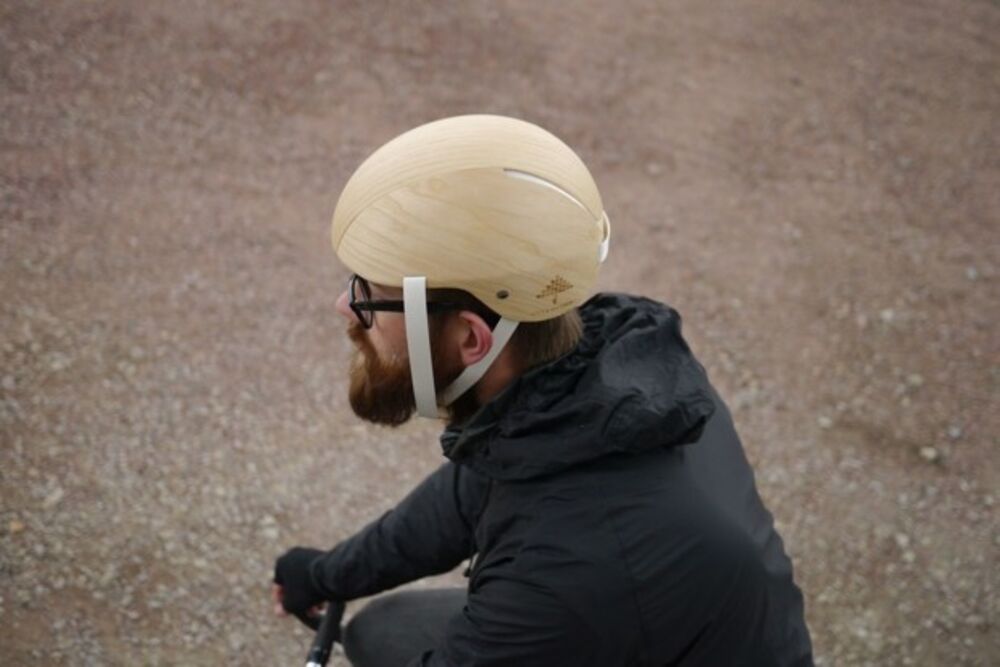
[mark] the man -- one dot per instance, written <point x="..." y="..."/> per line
<point x="594" y="480"/>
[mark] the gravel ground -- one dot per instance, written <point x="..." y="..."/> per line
<point x="814" y="185"/>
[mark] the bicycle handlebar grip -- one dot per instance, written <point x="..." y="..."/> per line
<point x="328" y="632"/>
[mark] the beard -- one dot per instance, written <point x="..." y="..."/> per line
<point x="381" y="390"/>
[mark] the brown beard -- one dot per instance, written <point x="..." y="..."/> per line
<point x="381" y="390"/>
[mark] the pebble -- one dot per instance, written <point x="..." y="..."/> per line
<point x="887" y="315"/>
<point x="930" y="454"/>
<point x="110" y="572"/>
<point x="954" y="431"/>
<point x="9" y="383"/>
<point x="59" y="362"/>
<point x="15" y="526"/>
<point x="236" y="642"/>
<point x="824" y="422"/>
<point x="53" y="498"/>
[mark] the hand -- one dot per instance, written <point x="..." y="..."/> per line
<point x="277" y="595"/>
<point x="295" y="591"/>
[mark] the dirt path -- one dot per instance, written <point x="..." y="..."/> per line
<point x="814" y="185"/>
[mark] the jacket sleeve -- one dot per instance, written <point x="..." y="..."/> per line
<point x="429" y="532"/>
<point x="512" y="622"/>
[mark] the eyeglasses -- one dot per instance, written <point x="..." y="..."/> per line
<point x="364" y="307"/>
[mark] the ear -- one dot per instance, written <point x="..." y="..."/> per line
<point x="475" y="337"/>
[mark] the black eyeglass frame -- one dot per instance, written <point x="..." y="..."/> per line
<point x="365" y="309"/>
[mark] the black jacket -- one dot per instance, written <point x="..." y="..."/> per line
<point x="612" y="513"/>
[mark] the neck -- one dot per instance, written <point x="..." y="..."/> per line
<point x="500" y="375"/>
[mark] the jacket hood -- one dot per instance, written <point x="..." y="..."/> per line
<point x="630" y="385"/>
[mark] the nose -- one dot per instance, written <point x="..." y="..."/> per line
<point x="342" y="305"/>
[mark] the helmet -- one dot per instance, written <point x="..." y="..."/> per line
<point x="492" y="205"/>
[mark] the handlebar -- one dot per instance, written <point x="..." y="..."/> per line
<point x="327" y="632"/>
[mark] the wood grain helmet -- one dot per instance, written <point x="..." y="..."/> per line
<point x="492" y="205"/>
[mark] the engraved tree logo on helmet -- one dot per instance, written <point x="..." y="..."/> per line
<point x="556" y="286"/>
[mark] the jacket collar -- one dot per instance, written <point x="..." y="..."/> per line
<point x="630" y="385"/>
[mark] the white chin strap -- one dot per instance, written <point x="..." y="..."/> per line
<point x="418" y="345"/>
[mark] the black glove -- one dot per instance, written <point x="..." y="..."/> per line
<point x="293" y="572"/>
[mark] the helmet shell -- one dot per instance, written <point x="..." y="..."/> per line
<point x="492" y="205"/>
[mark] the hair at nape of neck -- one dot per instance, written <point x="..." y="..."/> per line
<point x="533" y="343"/>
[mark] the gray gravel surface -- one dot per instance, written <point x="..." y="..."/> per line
<point x="814" y="185"/>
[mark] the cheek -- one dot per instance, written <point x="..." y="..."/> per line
<point x="379" y="346"/>
<point x="388" y="336"/>
<point x="384" y="348"/>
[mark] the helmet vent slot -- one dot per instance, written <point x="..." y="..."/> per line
<point x="525" y="176"/>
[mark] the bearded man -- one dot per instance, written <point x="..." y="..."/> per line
<point x="594" y="478"/>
